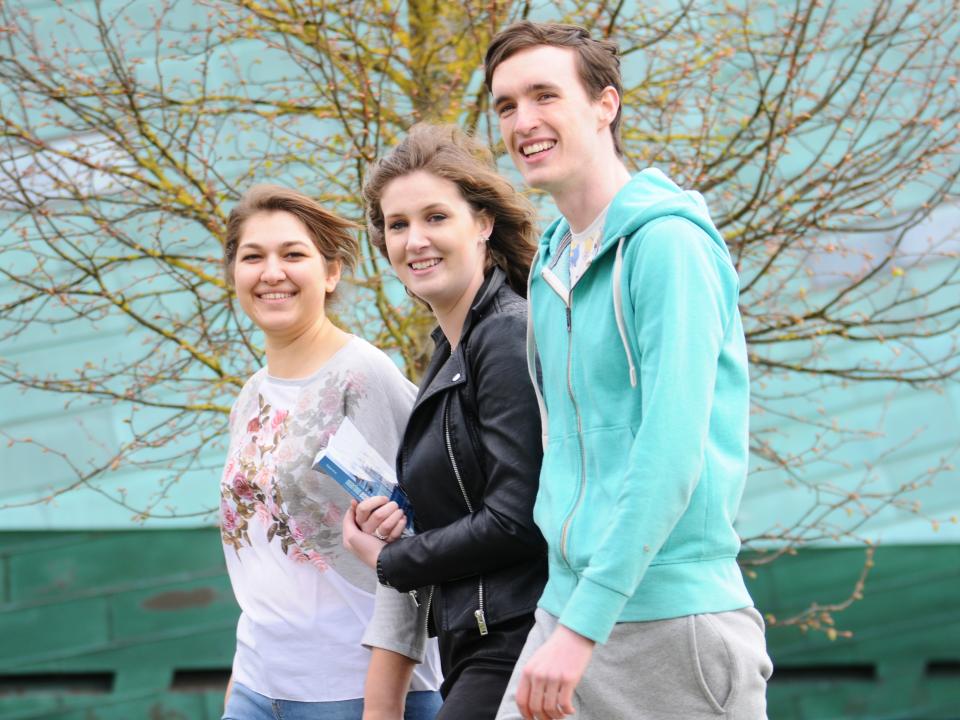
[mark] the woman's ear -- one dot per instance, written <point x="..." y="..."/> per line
<point x="334" y="268"/>
<point x="485" y="222"/>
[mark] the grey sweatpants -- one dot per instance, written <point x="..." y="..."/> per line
<point x="697" y="667"/>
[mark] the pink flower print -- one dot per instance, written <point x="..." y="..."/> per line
<point x="241" y="487"/>
<point x="263" y="513"/>
<point x="318" y="561"/>
<point x="295" y="531"/>
<point x="332" y="515"/>
<point x="297" y="555"/>
<point x="254" y="425"/>
<point x="287" y="452"/>
<point x="264" y="479"/>
<point x="330" y="400"/>
<point x="278" y="419"/>
<point x="228" y="518"/>
<point x="250" y="449"/>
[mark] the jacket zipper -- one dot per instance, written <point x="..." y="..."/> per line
<point x="480" y="612"/>
<point x="426" y="615"/>
<point x="564" y="532"/>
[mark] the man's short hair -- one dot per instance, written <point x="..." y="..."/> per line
<point x="598" y="61"/>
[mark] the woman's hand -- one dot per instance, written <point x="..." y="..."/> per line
<point x="366" y="547"/>
<point x="381" y="518"/>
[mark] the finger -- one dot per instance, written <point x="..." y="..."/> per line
<point x="523" y="696"/>
<point x="551" y="690"/>
<point x="389" y="522"/>
<point x="368" y="506"/>
<point x="535" y="700"/>
<point x="378" y="516"/>
<point x="565" y="699"/>
<point x="398" y="528"/>
<point x="349" y="525"/>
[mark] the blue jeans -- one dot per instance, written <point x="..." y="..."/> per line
<point x="245" y="704"/>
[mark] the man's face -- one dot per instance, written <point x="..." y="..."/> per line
<point x="551" y="127"/>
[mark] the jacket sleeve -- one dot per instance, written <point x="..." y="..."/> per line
<point x="500" y="532"/>
<point x="683" y="292"/>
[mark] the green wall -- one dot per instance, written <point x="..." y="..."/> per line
<point x="129" y="625"/>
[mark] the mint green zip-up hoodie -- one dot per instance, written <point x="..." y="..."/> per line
<point x="646" y="399"/>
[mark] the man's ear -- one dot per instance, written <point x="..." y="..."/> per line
<point x="608" y="104"/>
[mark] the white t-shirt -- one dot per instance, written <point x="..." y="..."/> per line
<point x="585" y="245"/>
<point x="305" y="600"/>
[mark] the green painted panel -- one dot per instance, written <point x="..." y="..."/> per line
<point x="37" y="633"/>
<point x="129" y="706"/>
<point x="47" y="567"/>
<point x="903" y="660"/>
<point x="173" y="610"/>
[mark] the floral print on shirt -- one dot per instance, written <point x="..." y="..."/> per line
<point x="268" y="476"/>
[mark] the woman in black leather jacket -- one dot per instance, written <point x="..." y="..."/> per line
<point x="461" y="239"/>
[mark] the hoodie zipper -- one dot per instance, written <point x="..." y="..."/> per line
<point x="564" y="532"/>
<point x="480" y="612"/>
<point x="567" y="299"/>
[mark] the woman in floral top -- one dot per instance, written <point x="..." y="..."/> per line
<point x="305" y="601"/>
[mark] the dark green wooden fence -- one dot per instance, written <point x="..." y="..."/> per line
<point x="139" y="624"/>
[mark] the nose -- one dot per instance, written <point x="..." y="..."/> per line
<point x="272" y="270"/>
<point x="527" y="119"/>
<point x="417" y="238"/>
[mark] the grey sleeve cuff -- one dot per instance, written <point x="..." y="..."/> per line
<point x="398" y="624"/>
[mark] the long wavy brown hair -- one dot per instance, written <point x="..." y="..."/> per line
<point x="449" y="153"/>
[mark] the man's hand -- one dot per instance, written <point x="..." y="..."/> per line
<point x="552" y="674"/>
<point x="366" y="547"/>
<point x="381" y="517"/>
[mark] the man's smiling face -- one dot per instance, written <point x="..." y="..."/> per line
<point x="550" y="126"/>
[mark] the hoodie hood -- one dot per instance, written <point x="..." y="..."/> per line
<point x="647" y="196"/>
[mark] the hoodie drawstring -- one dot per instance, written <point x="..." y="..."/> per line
<point x="618" y="310"/>
<point x="532" y="356"/>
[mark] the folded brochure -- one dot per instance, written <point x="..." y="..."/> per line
<point x="350" y="460"/>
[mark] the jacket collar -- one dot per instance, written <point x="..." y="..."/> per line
<point x="446" y="369"/>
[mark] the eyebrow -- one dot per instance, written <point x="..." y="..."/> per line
<point x="527" y="90"/>
<point x="285" y="244"/>
<point x="425" y="209"/>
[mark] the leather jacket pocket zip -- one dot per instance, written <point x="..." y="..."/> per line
<point x="426" y="615"/>
<point x="480" y="612"/>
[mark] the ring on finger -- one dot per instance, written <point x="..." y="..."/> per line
<point x="378" y="535"/>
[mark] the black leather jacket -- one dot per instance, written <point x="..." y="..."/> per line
<point x="470" y="463"/>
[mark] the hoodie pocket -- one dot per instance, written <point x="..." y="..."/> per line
<point x="556" y="496"/>
<point x="606" y="454"/>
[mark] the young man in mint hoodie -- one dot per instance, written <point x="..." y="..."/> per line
<point x="645" y="394"/>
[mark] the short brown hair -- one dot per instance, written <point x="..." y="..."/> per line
<point x="598" y="61"/>
<point x="332" y="235"/>
<point x="449" y="153"/>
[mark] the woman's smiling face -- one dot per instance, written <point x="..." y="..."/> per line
<point x="435" y="241"/>
<point x="281" y="279"/>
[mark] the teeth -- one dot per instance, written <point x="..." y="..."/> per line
<point x="424" y="264"/>
<point x="276" y="296"/>
<point x="537" y="147"/>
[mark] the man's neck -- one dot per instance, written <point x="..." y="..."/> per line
<point x="585" y="197"/>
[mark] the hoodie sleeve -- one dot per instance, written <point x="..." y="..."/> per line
<point x="683" y="291"/>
